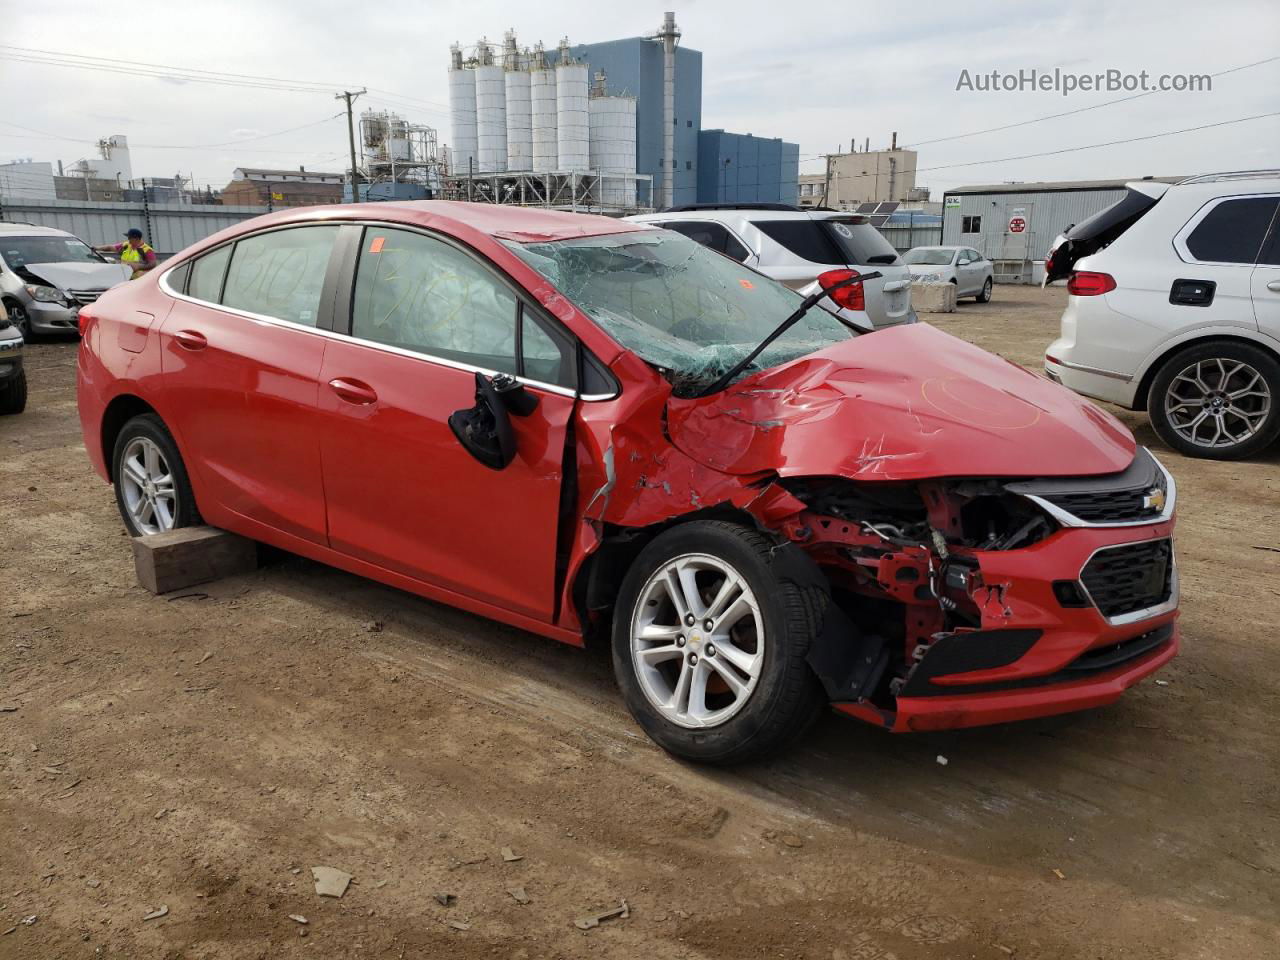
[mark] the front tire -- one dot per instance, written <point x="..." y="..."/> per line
<point x="152" y="488"/>
<point x="13" y="394"/>
<point x="710" y="640"/>
<point x="1217" y="401"/>
<point x="985" y="295"/>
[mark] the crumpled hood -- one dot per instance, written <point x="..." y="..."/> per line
<point x="81" y="275"/>
<point x="908" y="403"/>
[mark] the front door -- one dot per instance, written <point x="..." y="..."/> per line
<point x="402" y="493"/>
<point x="241" y="355"/>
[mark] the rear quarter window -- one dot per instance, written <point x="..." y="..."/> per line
<point x="1233" y="231"/>
<point x="805" y="238"/>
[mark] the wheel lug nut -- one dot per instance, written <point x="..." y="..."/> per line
<point x="693" y="659"/>
<point x="680" y="640"/>
<point x="708" y="625"/>
<point x="711" y="650"/>
<point x="688" y="619"/>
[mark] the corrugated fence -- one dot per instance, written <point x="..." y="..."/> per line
<point x="168" y="227"/>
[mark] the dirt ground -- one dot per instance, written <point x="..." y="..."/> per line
<point x="202" y="751"/>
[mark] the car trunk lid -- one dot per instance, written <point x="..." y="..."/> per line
<point x="1102" y="229"/>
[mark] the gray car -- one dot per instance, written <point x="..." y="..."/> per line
<point x="969" y="270"/>
<point x="796" y="246"/>
<point x="47" y="275"/>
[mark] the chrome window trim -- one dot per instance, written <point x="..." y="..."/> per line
<point x="1071" y="520"/>
<point x="1181" y="237"/>
<point x="386" y="348"/>
<point x="1145" y="613"/>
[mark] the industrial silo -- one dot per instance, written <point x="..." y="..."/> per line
<point x="519" y="107"/>
<point x="542" y="98"/>
<point x="573" y="126"/>
<point x="491" y="113"/>
<point x="462" y="112"/>
<point x="613" y="145"/>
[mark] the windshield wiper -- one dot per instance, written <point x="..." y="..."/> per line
<point x="805" y="306"/>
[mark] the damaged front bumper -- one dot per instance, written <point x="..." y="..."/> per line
<point x="1045" y="645"/>
<point x="1078" y="604"/>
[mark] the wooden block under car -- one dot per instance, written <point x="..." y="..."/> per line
<point x="190" y="555"/>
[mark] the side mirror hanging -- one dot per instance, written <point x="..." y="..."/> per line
<point x="484" y="430"/>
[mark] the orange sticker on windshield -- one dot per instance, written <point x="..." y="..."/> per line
<point x="747" y="285"/>
<point x="376" y="245"/>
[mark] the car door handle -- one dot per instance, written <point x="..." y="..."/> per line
<point x="191" y="339"/>
<point x="353" y="391"/>
<point x="1274" y="286"/>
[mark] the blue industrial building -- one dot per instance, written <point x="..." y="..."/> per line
<point x="633" y="67"/>
<point x="740" y="168"/>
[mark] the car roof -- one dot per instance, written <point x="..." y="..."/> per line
<point x="500" y="221"/>
<point x="24" y="229"/>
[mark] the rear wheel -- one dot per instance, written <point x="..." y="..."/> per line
<point x="985" y="295"/>
<point x="152" y="489"/>
<point x="13" y="394"/>
<point x="1220" y="401"/>
<point x="709" y="644"/>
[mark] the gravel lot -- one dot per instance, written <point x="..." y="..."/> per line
<point x="202" y="751"/>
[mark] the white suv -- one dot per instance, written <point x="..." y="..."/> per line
<point x="797" y="246"/>
<point x="1174" y="308"/>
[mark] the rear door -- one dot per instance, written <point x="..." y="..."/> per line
<point x="424" y="316"/>
<point x="1265" y="284"/>
<point x="241" y="353"/>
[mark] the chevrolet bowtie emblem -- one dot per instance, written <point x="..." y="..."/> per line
<point x="1154" y="500"/>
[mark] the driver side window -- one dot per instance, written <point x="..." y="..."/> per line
<point x="418" y="293"/>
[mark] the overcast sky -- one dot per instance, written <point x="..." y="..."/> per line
<point x="817" y="73"/>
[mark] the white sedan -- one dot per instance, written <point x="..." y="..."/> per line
<point x="969" y="270"/>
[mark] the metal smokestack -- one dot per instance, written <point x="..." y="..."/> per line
<point x="668" y="35"/>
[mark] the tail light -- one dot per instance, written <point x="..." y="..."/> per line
<point x="1085" y="283"/>
<point x="852" y="297"/>
<point x="83" y="319"/>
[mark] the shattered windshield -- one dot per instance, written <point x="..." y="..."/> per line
<point x="689" y="311"/>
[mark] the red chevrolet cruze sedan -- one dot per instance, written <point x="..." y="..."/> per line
<point x="586" y="427"/>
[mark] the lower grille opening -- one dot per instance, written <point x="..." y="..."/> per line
<point x="1131" y="577"/>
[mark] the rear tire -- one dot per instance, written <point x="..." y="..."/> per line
<point x="13" y="394"/>
<point x="1217" y="401"/>
<point x="153" y="491"/>
<point x="985" y="295"/>
<point x="755" y="693"/>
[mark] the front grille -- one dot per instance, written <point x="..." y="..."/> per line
<point x="84" y="297"/>
<point x="1110" y="506"/>
<point x="1131" y="577"/>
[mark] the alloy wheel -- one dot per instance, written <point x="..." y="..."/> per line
<point x="697" y="641"/>
<point x="147" y="487"/>
<point x="18" y="317"/>
<point x="1218" y="402"/>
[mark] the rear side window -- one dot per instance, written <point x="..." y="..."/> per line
<point x="805" y="238"/>
<point x="281" y="273"/>
<point x="1233" y="231"/>
<point x="711" y="234"/>
<point x="207" y="272"/>
<point x="861" y="243"/>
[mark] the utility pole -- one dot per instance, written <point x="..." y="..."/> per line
<point x="349" y="96"/>
<point x="826" y="182"/>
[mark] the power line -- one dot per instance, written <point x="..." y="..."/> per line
<point x="1070" y="113"/>
<point x="1095" y="146"/>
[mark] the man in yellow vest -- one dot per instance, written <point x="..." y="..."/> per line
<point x="133" y="252"/>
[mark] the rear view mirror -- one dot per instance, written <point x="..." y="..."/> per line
<point x="484" y="430"/>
